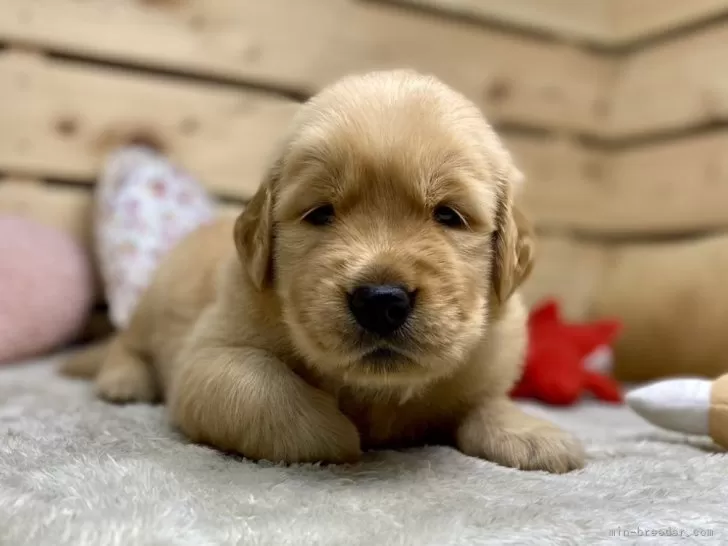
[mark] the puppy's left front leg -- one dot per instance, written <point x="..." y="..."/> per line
<point x="499" y="431"/>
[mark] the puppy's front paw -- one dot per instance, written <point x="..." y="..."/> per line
<point x="318" y="436"/>
<point x="505" y="435"/>
<point x="279" y="419"/>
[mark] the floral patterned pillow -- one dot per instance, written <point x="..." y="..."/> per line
<point x="144" y="206"/>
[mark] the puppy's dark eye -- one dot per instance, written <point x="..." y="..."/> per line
<point x="320" y="216"/>
<point x="448" y="217"/>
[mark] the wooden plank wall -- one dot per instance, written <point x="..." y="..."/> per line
<point x="612" y="107"/>
<point x="655" y="162"/>
<point x="214" y="85"/>
<point x="606" y="24"/>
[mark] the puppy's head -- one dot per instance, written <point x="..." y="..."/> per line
<point x="387" y="230"/>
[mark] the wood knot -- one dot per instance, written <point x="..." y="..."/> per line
<point x="252" y="53"/>
<point x="162" y="4"/>
<point x="189" y="126"/>
<point x="147" y="140"/>
<point x="138" y="136"/>
<point x="497" y="91"/>
<point x="66" y="126"/>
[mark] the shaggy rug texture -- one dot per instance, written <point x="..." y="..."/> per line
<point x="77" y="471"/>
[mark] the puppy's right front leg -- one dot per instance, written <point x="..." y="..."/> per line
<point x="246" y="400"/>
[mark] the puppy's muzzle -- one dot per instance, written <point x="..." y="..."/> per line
<point x="381" y="308"/>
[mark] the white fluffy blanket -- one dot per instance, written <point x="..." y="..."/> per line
<point x="77" y="471"/>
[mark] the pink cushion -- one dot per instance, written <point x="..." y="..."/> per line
<point x="46" y="288"/>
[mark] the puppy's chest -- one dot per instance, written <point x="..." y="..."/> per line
<point x="397" y="420"/>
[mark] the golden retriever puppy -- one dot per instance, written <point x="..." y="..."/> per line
<point x="366" y="297"/>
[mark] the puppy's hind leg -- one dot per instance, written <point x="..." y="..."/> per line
<point x="86" y="362"/>
<point x="125" y="376"/>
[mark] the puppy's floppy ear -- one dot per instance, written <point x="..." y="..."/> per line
<point x="254" y="230"/>
<point x="513" y="246"/>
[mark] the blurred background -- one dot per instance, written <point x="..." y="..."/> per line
<point x="615" y="109"/>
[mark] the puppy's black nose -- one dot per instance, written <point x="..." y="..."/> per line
<point x="381" y="308"/>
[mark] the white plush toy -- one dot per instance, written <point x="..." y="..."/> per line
<point x="690" y="406"/>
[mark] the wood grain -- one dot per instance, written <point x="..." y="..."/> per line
<point x="564" y="183"/>
<point x="671" y="86"/>
<point x="64" y="117"/>
<point x="568" y="270"/>
<point x="672" y="188"/>
<point x="633" y="20"/>
<point x="676" y="187"/>
<point x="306" y="45"/>
<point x="605" y="23"/>
<point x="587" y="20"/>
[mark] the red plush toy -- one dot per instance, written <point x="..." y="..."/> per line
<point x="556" y="370"/>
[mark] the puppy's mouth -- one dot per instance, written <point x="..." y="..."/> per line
<point x="386" y="359"/>
<point x="381" y="354"/>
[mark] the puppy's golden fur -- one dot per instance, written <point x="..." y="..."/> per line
<point x="245" y="330"/>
